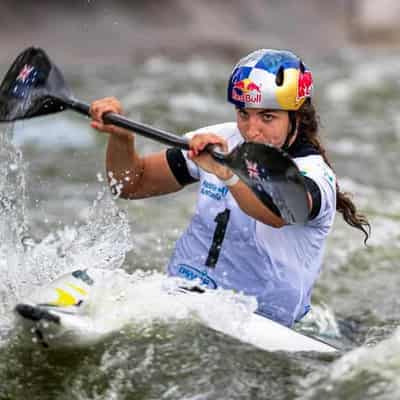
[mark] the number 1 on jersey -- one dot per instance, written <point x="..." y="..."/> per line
<point x="221" y="219"/>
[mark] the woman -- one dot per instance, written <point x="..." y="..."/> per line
<point x="234" y="241"/>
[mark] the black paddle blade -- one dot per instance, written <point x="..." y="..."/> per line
<point x="32" y="87"/>
<point x="274" y="178"/>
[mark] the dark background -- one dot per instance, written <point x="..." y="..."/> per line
<point x="122" y="31"/>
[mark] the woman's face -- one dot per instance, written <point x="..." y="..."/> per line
<point x="262" y="125"/>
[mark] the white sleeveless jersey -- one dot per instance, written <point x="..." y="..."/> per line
<point x="224" y="247"/>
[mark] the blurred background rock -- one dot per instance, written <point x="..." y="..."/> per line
<point x="104" y="32"/>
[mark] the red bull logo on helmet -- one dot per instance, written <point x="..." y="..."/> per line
<point x="246" y="91"/>
<point x="305" y="85"/>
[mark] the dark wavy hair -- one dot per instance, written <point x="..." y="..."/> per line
<point x="308" y="125"/>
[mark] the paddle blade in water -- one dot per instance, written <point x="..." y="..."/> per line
<point x="31" y="87"/>
<point x="274" y="178"/>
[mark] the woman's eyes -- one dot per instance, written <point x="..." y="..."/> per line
<point x="267" y="117"/>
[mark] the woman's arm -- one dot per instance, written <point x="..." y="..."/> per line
<point x="130" y="174"/>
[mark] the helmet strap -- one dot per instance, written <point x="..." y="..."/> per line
<point x="293" y="128"/>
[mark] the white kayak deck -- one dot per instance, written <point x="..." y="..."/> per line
<point x="58" y="314"/>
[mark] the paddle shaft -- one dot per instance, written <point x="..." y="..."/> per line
<point x="142" y="129"/>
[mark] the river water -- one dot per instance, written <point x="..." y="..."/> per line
<point x="57" y="215"/>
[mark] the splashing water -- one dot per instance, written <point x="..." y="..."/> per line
<point x="321" y="321"/>
<point x="101" y="241"/>
<point x="150" y="296"/>
<point x="13" y="229"/>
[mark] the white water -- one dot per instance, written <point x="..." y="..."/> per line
<point x="142" y="299"/>
<point x="102" y="240"/>
<point x="356" y="371"/>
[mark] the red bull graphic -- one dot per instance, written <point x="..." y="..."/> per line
<point x="305" y="85"/>
<point x="246" y="91"/>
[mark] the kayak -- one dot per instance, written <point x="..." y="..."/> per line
<point x="66" y="313"/>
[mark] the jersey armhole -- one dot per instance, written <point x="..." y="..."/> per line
<point x="315" y="193"/>
<point x="178" y="166"/>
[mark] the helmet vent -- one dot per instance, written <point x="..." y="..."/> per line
<point x="279" y="77"/>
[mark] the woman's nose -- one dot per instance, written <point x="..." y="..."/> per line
<point x="253" y="130"/>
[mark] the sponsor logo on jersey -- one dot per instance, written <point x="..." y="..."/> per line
<point x="213" y="190"/>
<point x="190" y="273"/>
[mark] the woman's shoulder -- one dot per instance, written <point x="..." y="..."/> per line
<point x="313" y="166"/>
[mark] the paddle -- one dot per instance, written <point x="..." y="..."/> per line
<point x="34" y="86"/>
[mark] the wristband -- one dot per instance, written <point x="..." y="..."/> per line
<point x="233" y="180"/>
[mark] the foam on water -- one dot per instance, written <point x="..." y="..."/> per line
<point x="67" y="130"/>
<point x="383" y="210"/>
<point x="145" y="298"/>
<point x="366" y="365"/>
<point x="181" y="92"/>
<point x="320" y="321"/>
<point x="372" y="74"/>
